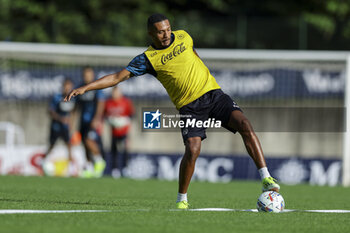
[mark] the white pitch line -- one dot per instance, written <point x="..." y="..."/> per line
<point x="222" y="210"/>
<point x="9" y="211"/>
<point x="328" y="211"/>
<point x="213" y="209"/>
<point x="49" y="211"/>
<point x="255" y="210"/>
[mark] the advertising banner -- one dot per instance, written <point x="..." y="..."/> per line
<point x="227" y="168"/>
<point x="39" y="84"/>
<point x="27" y="161"/>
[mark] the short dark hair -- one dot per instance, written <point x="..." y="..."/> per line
<point x="155" y="18"/>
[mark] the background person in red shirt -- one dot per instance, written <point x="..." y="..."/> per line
<point x="118" y="112"/>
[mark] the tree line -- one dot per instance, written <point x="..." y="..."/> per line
<point x="269" y="24"/>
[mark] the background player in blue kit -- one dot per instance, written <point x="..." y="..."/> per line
<point x="91" y="107"/>
<point x="60" y="113"/>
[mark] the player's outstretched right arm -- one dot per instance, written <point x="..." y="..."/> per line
<point x="104" y="82"/>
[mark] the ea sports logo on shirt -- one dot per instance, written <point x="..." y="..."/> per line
<point x="151" y="120"/>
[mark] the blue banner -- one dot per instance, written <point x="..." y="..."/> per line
<point x="227" y="168"/>
<point x="39" y="83"/>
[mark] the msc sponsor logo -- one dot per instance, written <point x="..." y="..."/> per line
<point x="178" y="49"/>
<point x="164" y="167"/>
<point x="294" y="171"/>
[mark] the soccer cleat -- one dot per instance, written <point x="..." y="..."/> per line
<point x="87" y="174"/>
<point x="270" y="184"/>
<point x="182" y="205"/>
<point x="99" y="167"/>
<point x="88" y="171"/>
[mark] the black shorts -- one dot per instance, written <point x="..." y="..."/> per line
<point x="87" y="131"/>
<point x="59" y="131"/>
<point x="213" y="104"/>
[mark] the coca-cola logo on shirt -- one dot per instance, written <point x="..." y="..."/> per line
<point x="178" y="49"/>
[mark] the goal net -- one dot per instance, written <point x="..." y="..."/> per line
<point x="296" y="100"/>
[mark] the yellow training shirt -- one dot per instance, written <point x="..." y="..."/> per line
<point x="180" y="70"/>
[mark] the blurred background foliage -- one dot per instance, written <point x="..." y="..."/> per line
<point x="251" y="24"/>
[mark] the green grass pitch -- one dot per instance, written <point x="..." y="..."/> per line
<point x="124" y="197"/>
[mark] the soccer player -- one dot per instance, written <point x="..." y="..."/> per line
<point x="60" y="113"/>
<point x="118" y="112"/>
<point x="193" y="90"/>
<point x="91" y="106"/>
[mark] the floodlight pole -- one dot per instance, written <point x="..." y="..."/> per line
<point x="346" y="142"/>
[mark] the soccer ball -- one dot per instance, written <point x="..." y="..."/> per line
<point x="49" y="168"/>
<point x="270" y="201"/>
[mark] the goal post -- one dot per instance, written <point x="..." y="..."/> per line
<point x="346" y="153"/>
<point x="298" y="56"/>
